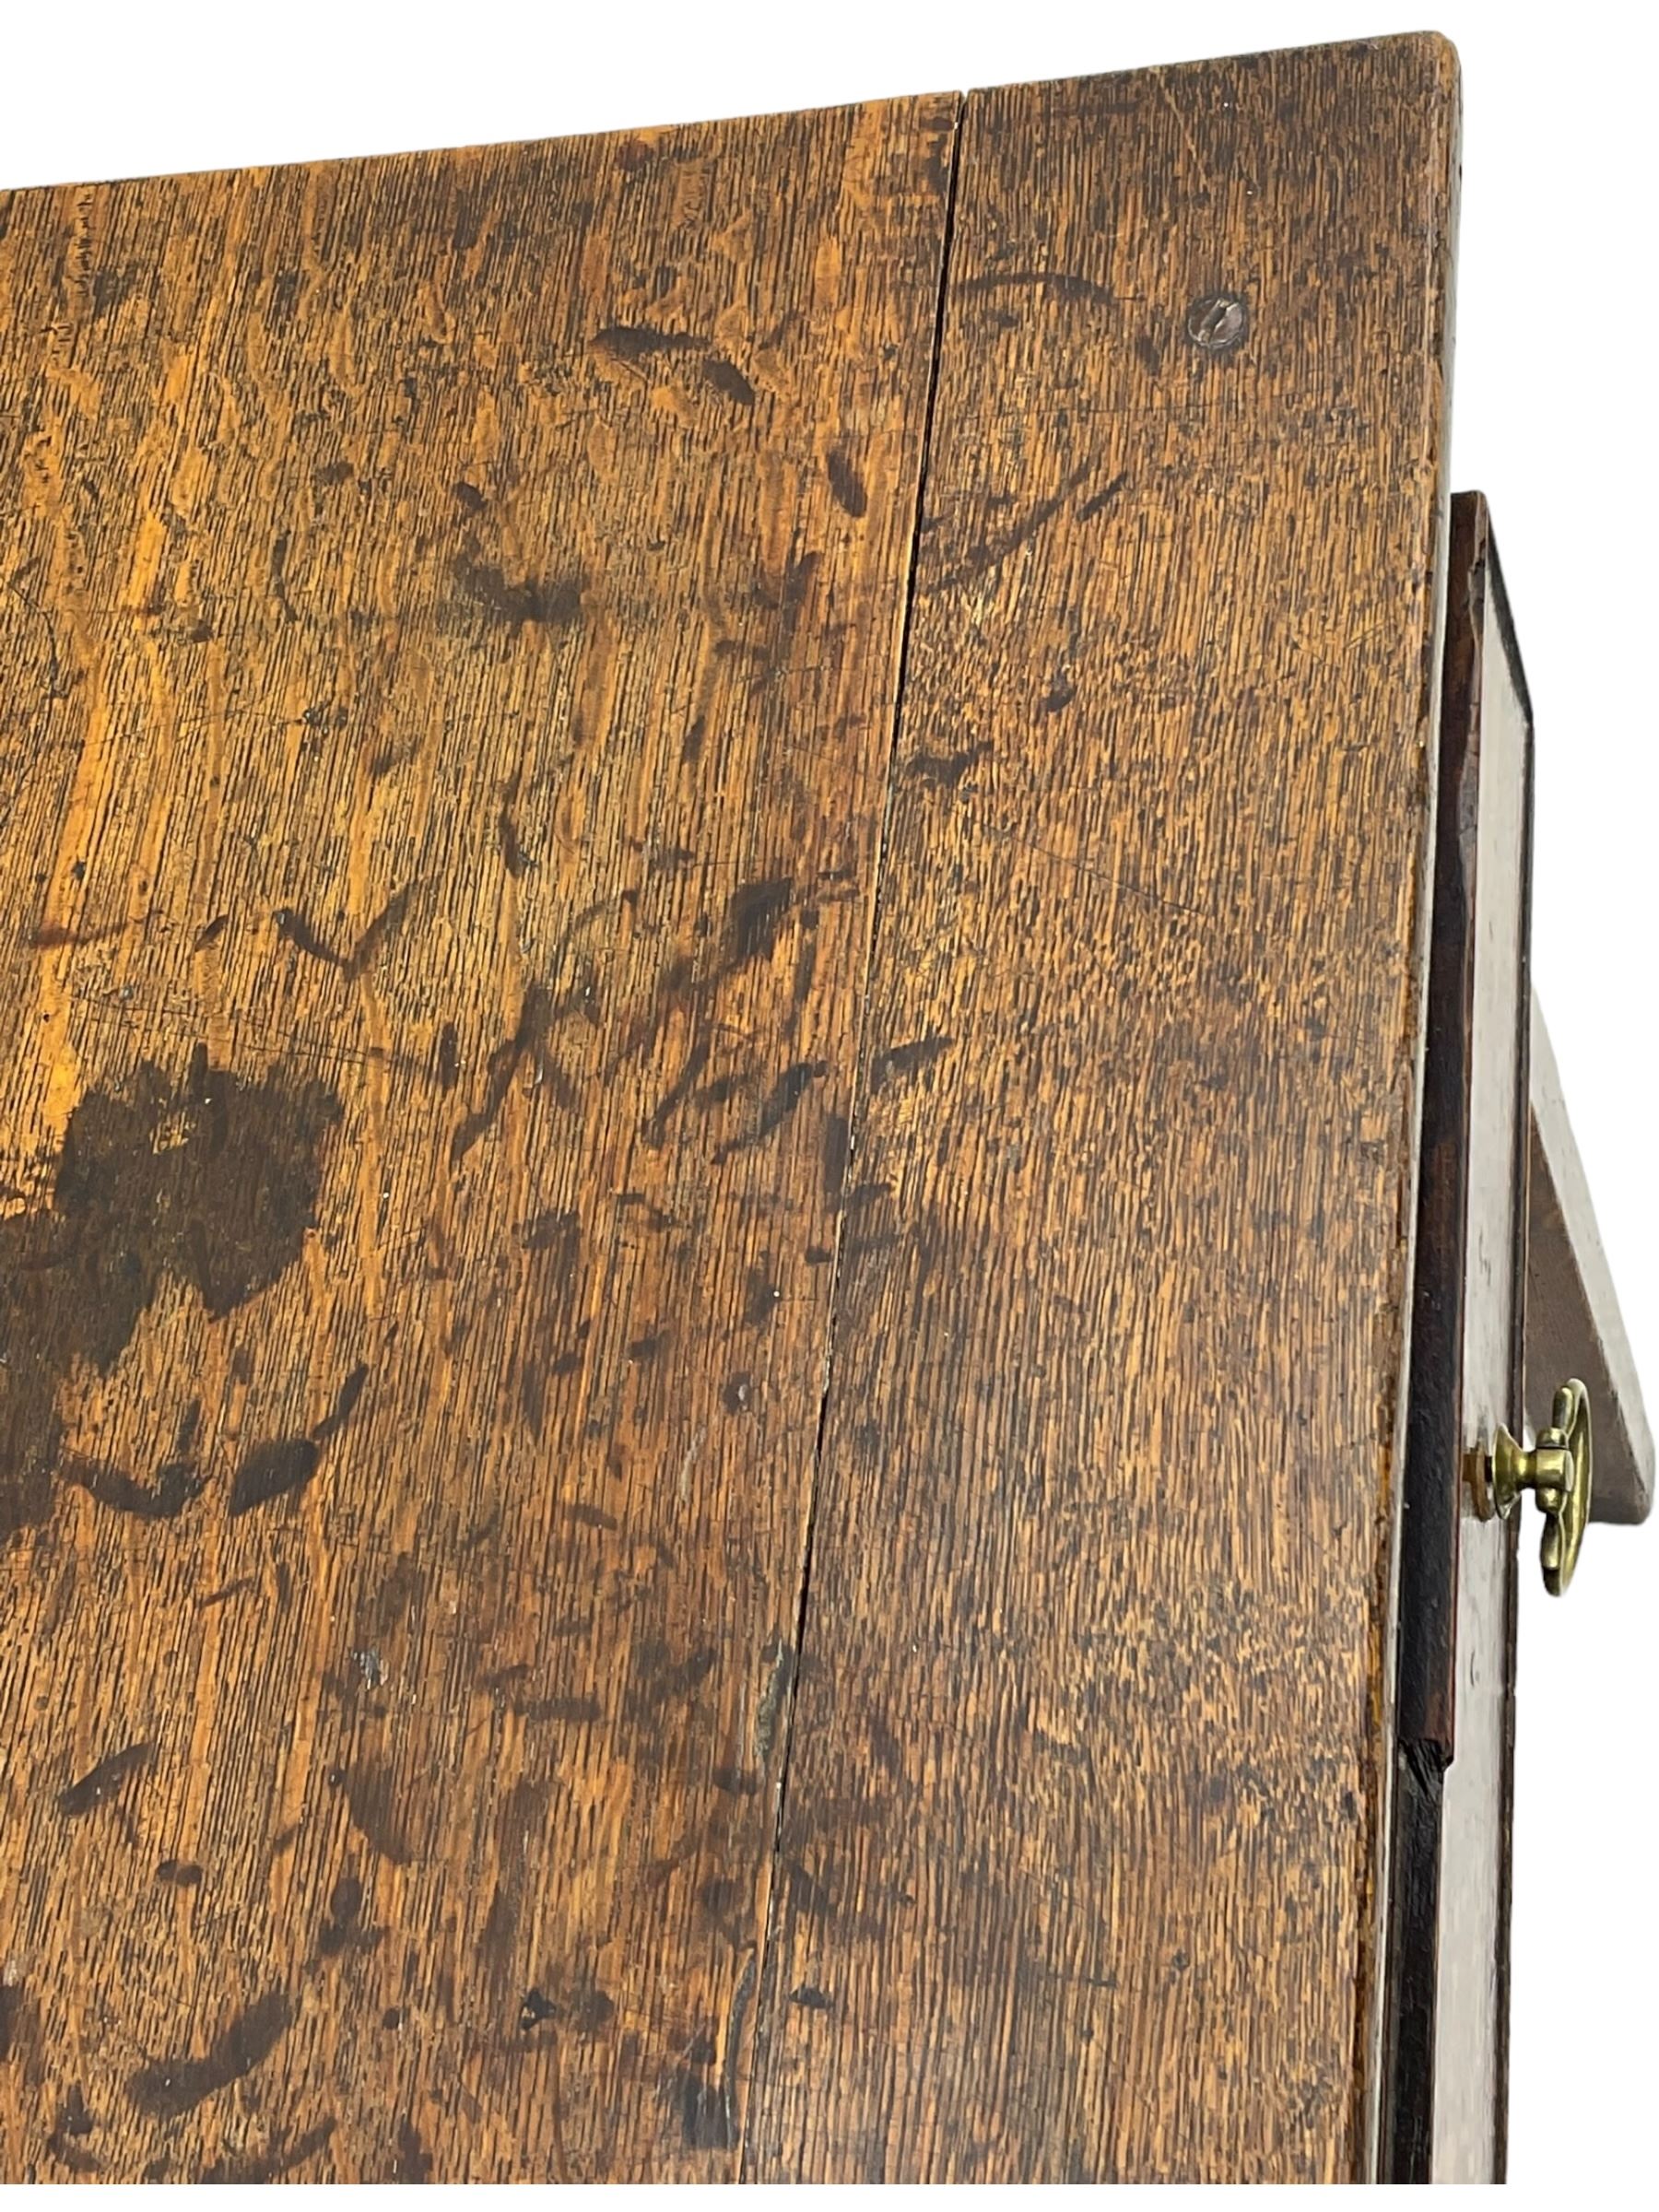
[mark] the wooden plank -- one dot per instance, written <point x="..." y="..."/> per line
<point x="1574" y="1324"/>
<point x="1084" y="1830"/>
<point x="451" y="609"/>
<point x="1445" y="2093"/>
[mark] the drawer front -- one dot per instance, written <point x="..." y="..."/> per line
<point x="1449" y="1937"/>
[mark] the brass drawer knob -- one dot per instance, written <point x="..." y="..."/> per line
<point x="1559" y="1471"/>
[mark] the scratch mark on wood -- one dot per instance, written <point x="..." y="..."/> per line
<point x="55" y="936"/>
<point x="777" y="1106"/>
<point x="1064" y="283"/>
<point x="688" y="1459"/>
<point x="1104" y="498"/>
<point x="656" y="1129"/>
<point x="908" y="1059"/>
<point x="292" y="925"/>
<point x="535" y="1014"/>
<point x="987" y="554"/>
<point x="105" y="1780"/>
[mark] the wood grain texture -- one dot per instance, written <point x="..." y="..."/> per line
<point x="451" y="609"/>
<point x="1085" y="1816"/>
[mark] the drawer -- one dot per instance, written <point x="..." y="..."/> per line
<point x="1512" y="1294"/>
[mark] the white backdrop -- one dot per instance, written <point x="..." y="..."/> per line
<point x="1554" y="419"/>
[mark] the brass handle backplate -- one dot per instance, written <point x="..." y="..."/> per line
<point x="1559" y="1471"/>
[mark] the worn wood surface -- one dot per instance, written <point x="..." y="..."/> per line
<point x="515" y="1074"/>
<point x="1448" y="1937"/>
<point x="450" y="610"/>
<point x="1085" y="1816"/>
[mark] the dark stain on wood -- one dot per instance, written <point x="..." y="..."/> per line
<point x="558" y="1230"/>
<point x="414" y="2162"/>
<point x="550" y="602"/>
<point x="14" y="2016"/>
<point x="946" y="770"/>
<point x="1062" y="284"/>
<point x="345" y="1404"/>
<point x="371" y="1804"/>
<point x="53" y="936"/>
<point x="168" y="2089"/>
<point x="574" y="1713"/>
<point x="106" y="1779"/>
<point x="662" y="1680"/>
<point x="378" y="931"/>
<point x="295" y="930"/>
<point x="176" y="1483"/>
<point x="836" y="1155"/>
<point x="513" y="857"/>
<point x="755" y="919"/>
<point x="907" y="1059"/>
<point x="639" y="342"/>
<point x="212" y="1184"/>
<point x="273" y="1469"/>
<point x="703" y="2102"/>
<point x="345" y="1912"/>
<point x="275" y="2164"/>
<point x="656" y="1132"/>
<point x="293" y="926"/>
<point x="1097" y="502"/>
<point x="279" y="553"/>
<point x="988" y="553"/>
<point x="777" y="1106"/>
<point x="729" y="381"/>
<point x="67" y="2142"/>
<point x="847" y="484"/>
<point x="446" y="1058"/>
<point x="284" y="1464"/>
